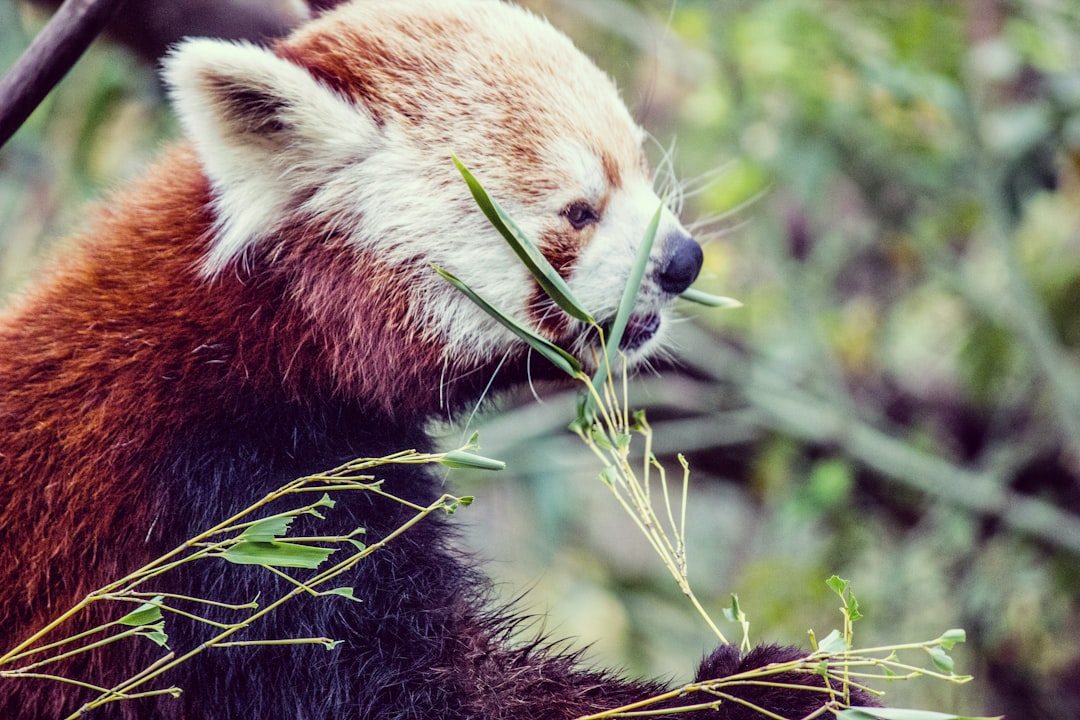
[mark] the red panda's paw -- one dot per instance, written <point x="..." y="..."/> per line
<point x="791" y="694"/>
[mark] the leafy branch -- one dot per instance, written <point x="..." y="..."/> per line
<point x="833" y="659"/>
<point x="242" y="539"/>
<point x="606" y="425"/>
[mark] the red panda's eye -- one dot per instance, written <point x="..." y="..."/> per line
<point x="580" y="214"/>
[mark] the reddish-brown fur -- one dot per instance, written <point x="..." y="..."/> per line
<point x="114" y="356"/>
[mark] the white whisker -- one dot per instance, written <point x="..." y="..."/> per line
<point x="528" y="376"/>
<point x="483" y="395"/>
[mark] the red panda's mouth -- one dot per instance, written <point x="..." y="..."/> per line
<point x="639" y="330"/>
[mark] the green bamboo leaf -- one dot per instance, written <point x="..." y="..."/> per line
<point x="633" y="284"/>
<point x="552" y="352"/>
<point x="587" y="408"/>
<point x="268" y="529"/>
<point x="550" y="280"/>
<point x="146" y="614"/>
<point x="461" y="459"/>
<point x="868" y="713"/>
<point x="708" y="300"/>
<point x="277" y="554"/>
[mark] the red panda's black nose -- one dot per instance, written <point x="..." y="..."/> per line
<point x="682" y="262"/>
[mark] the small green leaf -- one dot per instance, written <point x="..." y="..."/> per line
<point x="600" y="438"/>
<point x="345" y="592"/>
<point x="714" y="301"/>
<point x="452" y="506"/>
<point x="461" y="459"/>
<point x="267" y="530"/>
<point x="952" y="637"/>
<point x="356" y="544"/>
<point x="547" y="277"/>
<point x="735" y="612"/>
<point x="157" y="634"/>
<point x="853" y="608"/>
<point x="474" y="442"/>
<point x="146" y="614"/>
<point x="838" y="584"/>
<point x="552" y="352"/>
<point x="609" y="475"/>
<point x="586" y="412"/>
<point x="833" y="643"/>
<point x="941" y="659"/>
<point x="277" y="554"/>
<point x="333" y="644"/>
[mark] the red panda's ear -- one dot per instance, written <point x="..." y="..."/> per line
<point x="266" y="132"/>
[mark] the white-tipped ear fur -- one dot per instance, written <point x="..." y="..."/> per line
<point x="265" y="131"/>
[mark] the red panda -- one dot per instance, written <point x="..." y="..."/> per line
<point x="261" y="306"/>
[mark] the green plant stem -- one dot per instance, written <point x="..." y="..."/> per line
<point x="292" y="641"/>
<point x="612" y="421"/>
<point x="134" y="596"/>
<point x="60" y="643"/>
<point x="125" y="687"/>
<point x="85" y="648"/>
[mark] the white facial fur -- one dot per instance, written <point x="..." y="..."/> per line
<point x="278" y="145"/>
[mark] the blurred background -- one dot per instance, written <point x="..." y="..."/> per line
<point x="893" y="190"/>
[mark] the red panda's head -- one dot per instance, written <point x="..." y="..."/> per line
<point x="342" y="135"/>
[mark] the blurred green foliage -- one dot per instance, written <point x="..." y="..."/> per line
<point x="893" y="190"/>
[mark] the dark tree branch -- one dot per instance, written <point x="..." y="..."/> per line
<point x="53" y="52"/>
<point x="149" y="27"/>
